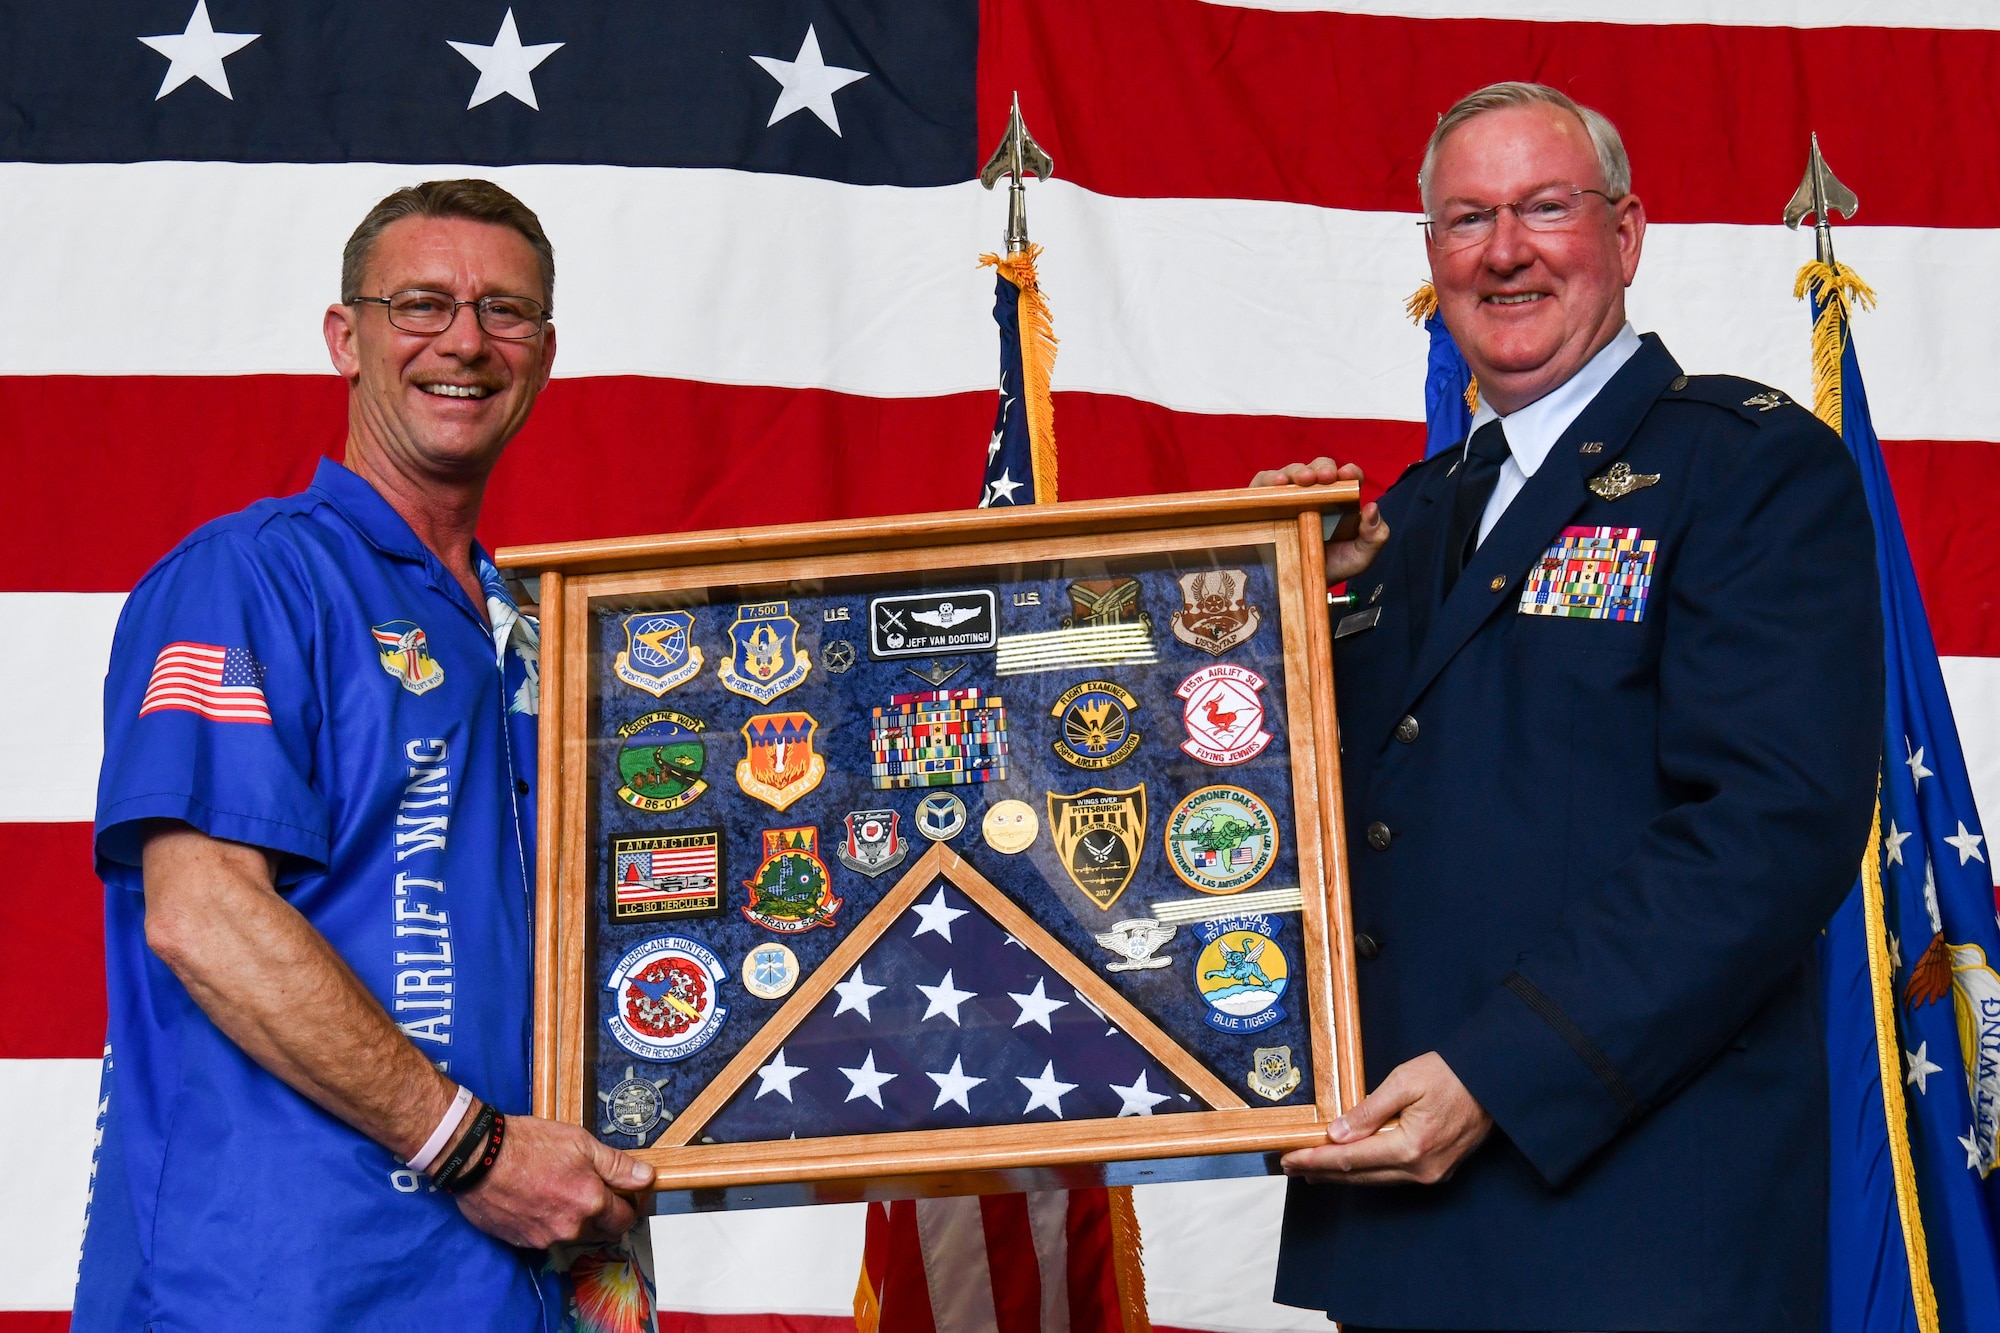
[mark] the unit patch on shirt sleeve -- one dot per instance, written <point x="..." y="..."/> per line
<point x="1592" y="574"/>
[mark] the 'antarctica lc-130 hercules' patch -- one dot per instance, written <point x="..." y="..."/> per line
<point x="659" y="651"/>
<point x="1592" y="574"/>
<point x="666" y="874"/>
<point x="668" y="1005"/>
<point x="792" y="890"/>
<point x="764" y="657"/>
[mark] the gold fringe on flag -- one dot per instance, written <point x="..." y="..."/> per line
<point x="1423" y="303"/>
<point x="867" y="1307"/>
<point x="1881" y="982"/>
<point x="1038" y="358"/>
<point x="1127" y="1254"/>
<point x="1838" y="289"/>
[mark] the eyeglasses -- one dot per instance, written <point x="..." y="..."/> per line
<point x="509" y="318"/>
<point x="1554" y="210"/>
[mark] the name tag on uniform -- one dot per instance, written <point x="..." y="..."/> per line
<point x="1357" y="622"/>
<point x="1592" y="574"/>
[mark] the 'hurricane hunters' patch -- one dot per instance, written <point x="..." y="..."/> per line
<point x="1592" y="574"/>
<point x="659" y="651"/>
<point x="662" y="760"/>
<point x="780" y="766"/>
<point x="1222" y="839"/>
<point x="764" y="657"/>
<point x="1096" y="721"/>
<point x="934" y="624"/>
<point x="1224" y="716"/>
<point x="666" y="874"/>
<point x="792" y="890"/>
<point x="1241" y="972"/>
<point x="1099" y="834"/>
<point x="406" y="655"/>
<point x="668" y="1007"/>
<point x="1214" y="616"/>
<point x="938" y="738"/>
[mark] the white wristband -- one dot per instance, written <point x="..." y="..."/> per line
<point x="442" y="1134"/>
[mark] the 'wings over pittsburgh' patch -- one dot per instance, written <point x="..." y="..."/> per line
<point x="1592" y="574"/>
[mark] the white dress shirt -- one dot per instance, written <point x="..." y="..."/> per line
<point x="1534" y="430"/>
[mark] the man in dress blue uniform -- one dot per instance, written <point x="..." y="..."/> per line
<point x="314" y="826"/>
<point x="1610" y="706"/>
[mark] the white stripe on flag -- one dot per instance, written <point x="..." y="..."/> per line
<point x="48" y="1109"/>
<point x="1048" y="1222"/>
<point x="1973" y="683"/>
<point x="952" y="1234"/>
<point x="1242" y="327"/>
<point x="52" y="661"/>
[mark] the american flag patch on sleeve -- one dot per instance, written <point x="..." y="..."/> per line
<point x="221" y="684"/>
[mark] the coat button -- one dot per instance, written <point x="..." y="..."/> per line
<point x="1367" y="946"/>
<point x="521" y="786"/>
<point x="1379" y="836"/>
<point x="1406" y="730"/>
<point x="1680" y="382"/>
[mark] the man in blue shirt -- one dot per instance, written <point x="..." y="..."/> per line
<point x="315" y="827"/>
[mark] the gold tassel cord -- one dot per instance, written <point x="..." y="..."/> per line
<point x="1839" y="291"/>
<point x="1423" y="303"/>
<point x="1038" y="359"/>
<point x="1882" y="987"/>
<point x="867" y="1309"/>
<point x="1127" y="1266"/>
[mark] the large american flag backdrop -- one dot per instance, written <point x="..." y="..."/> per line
<point x="770" y="309"/>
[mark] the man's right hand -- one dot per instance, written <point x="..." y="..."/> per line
<point x="553" y="1182"/>
<point x="1350" y="556"/>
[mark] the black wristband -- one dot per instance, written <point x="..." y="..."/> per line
<point x="475" y="1171"/>
<point x="468" y="1145"/>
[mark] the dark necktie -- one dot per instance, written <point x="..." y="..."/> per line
<point x="1476" y="478"/>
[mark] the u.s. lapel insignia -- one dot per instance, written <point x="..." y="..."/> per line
<point x="1619" y="481"/>
<point x="1096" y="720"/>
<point x="1273" y="1076"/>
<point x="1766" y="400"/>
<point x="406" y="654"/>
<point x="1133" y="941"/>
<point x="1101" y="602"/>
<point x="1098" y="834"/>
<point x="1214" y="616"/>
<point x="1224" y="716"/>
<point x="661" y="760"/>
<point x="780" y="766"/>
<point x="792" y="890"/>
<point x="765" y="659"/>
<point x="873" y="844"/>
<point x="659" y="651"/>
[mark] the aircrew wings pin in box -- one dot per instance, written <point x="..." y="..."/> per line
<point x="912" y="850"/>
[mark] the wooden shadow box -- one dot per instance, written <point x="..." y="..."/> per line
<point x="946" y="853"/>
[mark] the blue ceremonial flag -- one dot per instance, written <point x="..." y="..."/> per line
<point x="1447" y="379"/>
<point x="1910" y="957"/>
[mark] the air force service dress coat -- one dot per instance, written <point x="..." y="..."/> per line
<point x="1591" y="857"/>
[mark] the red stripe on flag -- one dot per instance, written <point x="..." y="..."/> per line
<point x="1011" y="1260"/>
<point x="674" y="1321"/>
<point x="57" y="1321"/>
<point x="51" y="945"/>
<point x="1093" y="1275"/>
<point x="1715" y="118"/>
<point x="1948" y="493"/>
<point x="903" y="1289"/>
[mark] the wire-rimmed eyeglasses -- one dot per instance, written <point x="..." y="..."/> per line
<point x="1552" y="210"/>
<point x="509" y="318"/>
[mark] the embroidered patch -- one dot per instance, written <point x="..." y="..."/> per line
<point x="1592" y="574"/>
<point x="667" y="874"/>
<point x="780" y="765"/>
<point x="667" y="1003"/>
<point x="659" y="651"/>
<point x="792" y="890"/>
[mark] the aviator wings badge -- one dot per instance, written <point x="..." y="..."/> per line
<point x="1620" y="481"/>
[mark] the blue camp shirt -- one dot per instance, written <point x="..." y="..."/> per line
<point x="304" y="676"/>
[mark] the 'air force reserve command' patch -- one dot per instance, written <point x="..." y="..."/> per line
<point x="1592" y="574"/>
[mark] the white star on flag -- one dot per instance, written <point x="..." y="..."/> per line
<point x="807" y="83"/>
<point x="855" y="992"/>
<point x="1046" y="1090"/>
<point x="1970" y="1142"/>
<point x="1896" y="951"/>
<point x="197" y="52"/>
<point x="944" y="999"/>
<point x="867" y="1081"/>
<point x="1138" y="1099"/>
<point x="937" y="916"/>
<point x="1967" y="842"/>
<point x="777" y="1076"/>
<point x="1921" y="1067"/>
<point x="506" y="65"/>
<point x="953" y="1086"/>
<point x="1036" y="1006"/>
<point x="1002" y="489"/>
<point x="1916" y="763"/>
<point x="1892" y="843"/>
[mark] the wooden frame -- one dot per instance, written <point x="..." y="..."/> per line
<point x="1286" y="520"/>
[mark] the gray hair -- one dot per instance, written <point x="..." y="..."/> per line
<point x="1603" y="134"/>
<point x="477" y="200"/>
